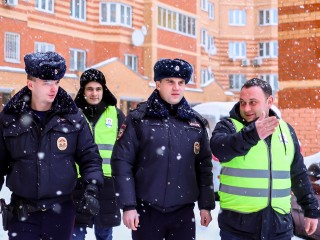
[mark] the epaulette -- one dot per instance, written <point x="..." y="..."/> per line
<point x="201" y="119"/>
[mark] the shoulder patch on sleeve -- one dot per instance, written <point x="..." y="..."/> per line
<point x="121" y="131"/>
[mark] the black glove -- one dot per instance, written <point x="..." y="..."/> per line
<point x="89" y="202"/>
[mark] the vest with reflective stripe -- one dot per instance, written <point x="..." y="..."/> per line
<point x="249" y="183"/>
<point x="105" y="134"/>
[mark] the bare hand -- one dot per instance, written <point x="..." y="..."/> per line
<point x="310" y="225"/>
<point x="205" y="217"/>
<point x="131" y="219"/>
<point x="266" y="125"/>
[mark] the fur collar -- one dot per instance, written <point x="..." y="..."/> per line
<point x="158" y="108"/>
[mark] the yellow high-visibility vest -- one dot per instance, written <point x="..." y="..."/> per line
<point x="250" y="183"/>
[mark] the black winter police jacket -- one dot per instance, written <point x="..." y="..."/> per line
<point x="163" y="158"/>
<point x="40" y="161"/>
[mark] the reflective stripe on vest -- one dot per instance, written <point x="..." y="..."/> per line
<point x="105" y="134"/>
<point x="249" y="183"/>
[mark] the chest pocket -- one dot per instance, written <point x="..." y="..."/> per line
<point x="19" y="140"/>
<point x="193" y="133"/>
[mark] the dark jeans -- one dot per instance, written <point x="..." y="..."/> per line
<point x="53" y="224"/>
<point x="156" y="225"/>
<point x="79" y="233"/>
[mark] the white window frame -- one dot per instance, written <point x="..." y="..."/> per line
<point x="78" y="9"/>
<point x="45" y="5"/>
<point x="211" y="46"/>
<point x="115" y="14"/>
<point x="176" y="22"/>
<point x="131" y="61"/>
<point x="237" y="17"/>
<point x="12" y="2"/>
<point x="268" y="17"/>
<point x="237" y="50"/>
<point x="204" y="5"/>
<point x="268" y="49"/>
<point x="204" y="38"/>
<point x="211" y="10"/>
<point x="77" y="64"/>
<point x="272" y="79"/>
<point x="44" y="47"/>
<point x="205" y="76"/>
<point x="12" y="47"/>
<point x="236" y="81"/>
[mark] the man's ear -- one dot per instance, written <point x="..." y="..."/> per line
<point x="158" y="85"/>
<point x="270" y="100"/>
<point x="30" y="84"/>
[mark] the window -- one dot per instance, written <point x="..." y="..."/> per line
<point x="206" y="76"/>
<point x="236" y="81"/>
<point x="211" y="10"/>
<point x="237" y="50"/>
<point x="268" y="17"/>
<point x="12" y="2"/>
<point x="44" y="47"/>
<point x="116" y="14"/>
<point x="45" y="5"/>
<point x="131" y="61"/>
<point x="78" y="9"/>
<point x="176" y="22"/>
<point x="207" y="42"/>
<point x="77" y="60"/>
<point x="272" y="79"/>
<point x="204" y="5"/>
<point x="12" y="47"/>
<point x="237" y="17"/>
<point x="204" y="38"/>
<point x="268" y="49"/>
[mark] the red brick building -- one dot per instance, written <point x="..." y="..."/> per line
<point x="299" y="70"/>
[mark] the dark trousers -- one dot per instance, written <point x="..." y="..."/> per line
<point x="54" y="224"/>
<point x="156" y="225"/>
<point x="233" y="236"/>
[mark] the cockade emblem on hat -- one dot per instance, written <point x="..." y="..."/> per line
<point x="56" y="71"/>
<point x="62" y="143"/>
<point x="177" y="68"/>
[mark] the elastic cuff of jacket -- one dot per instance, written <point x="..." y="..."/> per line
<point x="128" y="208"/>
<point x="312" y="213"/>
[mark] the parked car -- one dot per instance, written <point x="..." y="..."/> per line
<point x="296" y="211"/>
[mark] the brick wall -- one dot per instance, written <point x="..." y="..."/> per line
<point x="307" y="127"/>
<point x="299" y="70"/>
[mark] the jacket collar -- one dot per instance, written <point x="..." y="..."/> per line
<point x="158" y="108"/>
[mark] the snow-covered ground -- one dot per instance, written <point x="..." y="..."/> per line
<point x="122" y="233"/>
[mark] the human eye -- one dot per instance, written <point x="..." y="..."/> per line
<point x="253" y="103"/>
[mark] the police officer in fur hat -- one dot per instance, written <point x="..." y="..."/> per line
<point x="99" y="106"/>
<point x="161" y="162"/>
<point x="42" y="138"/>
